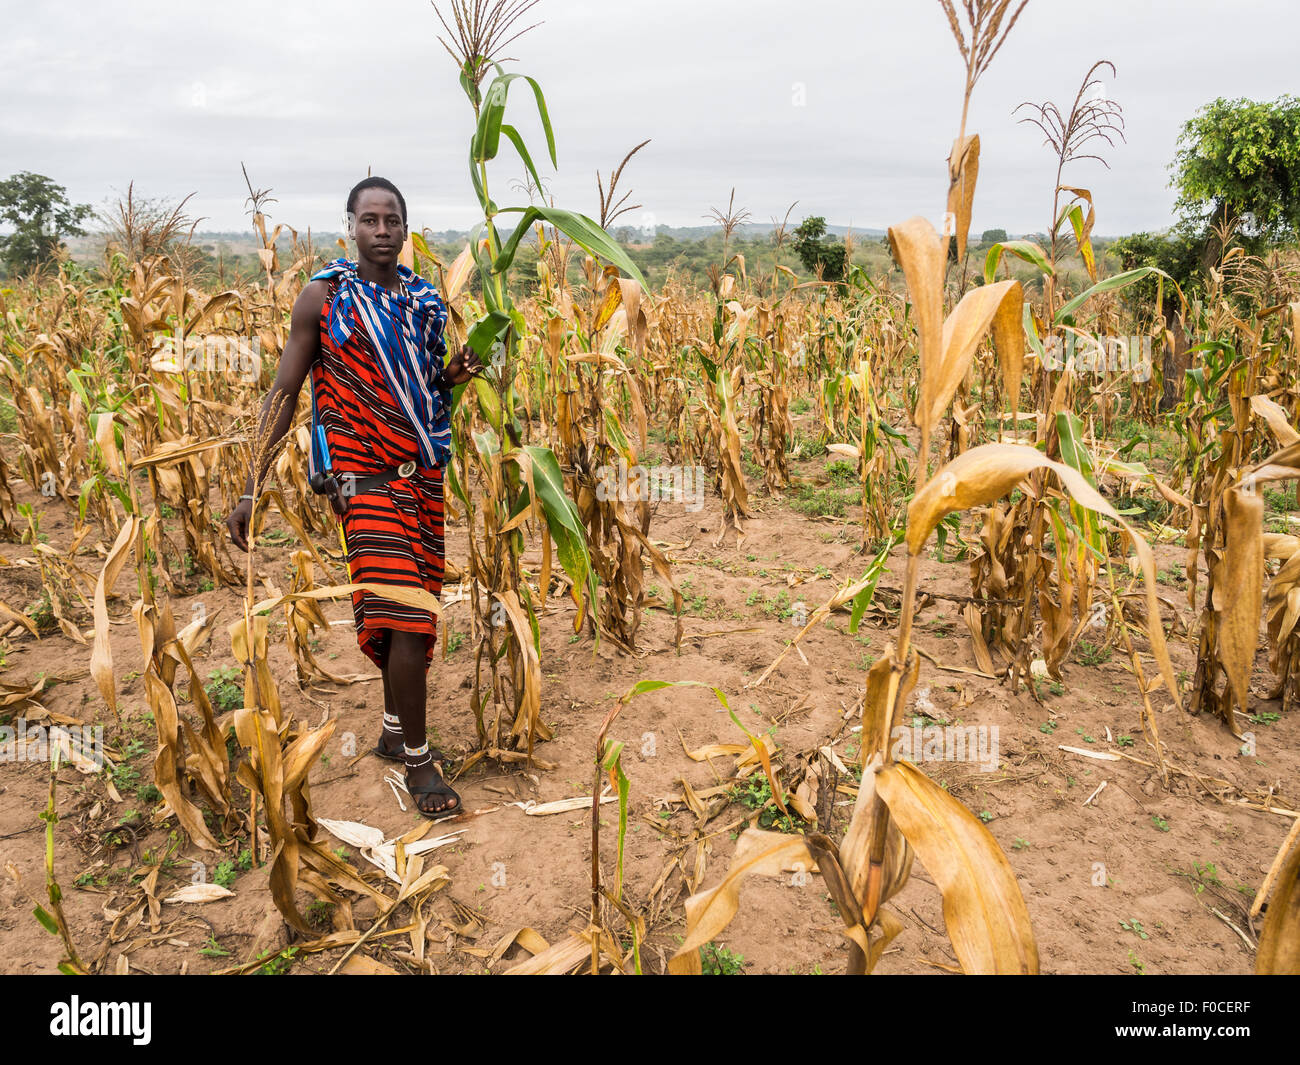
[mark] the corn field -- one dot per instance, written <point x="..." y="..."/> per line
<point x="788" y="625"/>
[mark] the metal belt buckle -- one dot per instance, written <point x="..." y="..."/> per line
<point x="406" y="469"/>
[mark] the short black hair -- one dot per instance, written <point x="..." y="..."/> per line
<point x="375" y="183"/>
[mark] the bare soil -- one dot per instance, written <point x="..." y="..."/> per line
<point x="1139" y="879"/>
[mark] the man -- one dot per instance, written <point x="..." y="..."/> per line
<point x="371" y="333"/>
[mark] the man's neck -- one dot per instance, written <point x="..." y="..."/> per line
<point x="378" y="275"/>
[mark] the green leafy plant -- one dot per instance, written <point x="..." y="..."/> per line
<point x="213" y="949"/>
<point x="719" y="961"/>
<point x="755" y="793"/>
<point x="276" y="964"/>
<point x="1135" y="927"/>
<point x="225" y="688"/>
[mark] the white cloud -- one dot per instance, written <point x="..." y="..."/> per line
<point x="849" y="108"/>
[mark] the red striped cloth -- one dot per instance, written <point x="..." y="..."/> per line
<point x="394" y="533"/>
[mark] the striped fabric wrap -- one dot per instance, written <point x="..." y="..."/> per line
<point x="394" y="533"/>
<point x="406" y="331"/>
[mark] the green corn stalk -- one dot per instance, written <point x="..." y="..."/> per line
<point x="54" y="922"/>
<point x="526" y="476"/>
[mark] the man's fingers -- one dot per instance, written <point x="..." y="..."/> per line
<point x="238" y="533"/>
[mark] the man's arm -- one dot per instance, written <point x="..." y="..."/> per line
<point x="300" y="351"/>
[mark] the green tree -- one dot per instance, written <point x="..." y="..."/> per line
<point x="1177" y="253"/>
<point x="41" y="215"/>
<point x="994" y="236"/>
<point x="814" y="251"/>
<point x="1241" y="159"/>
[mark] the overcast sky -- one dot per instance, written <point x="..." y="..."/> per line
<point x="848" y="106"/>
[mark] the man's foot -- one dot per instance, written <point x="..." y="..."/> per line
<point x="433" y="796"/>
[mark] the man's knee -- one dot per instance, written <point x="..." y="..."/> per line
<point x="407" y="641"/>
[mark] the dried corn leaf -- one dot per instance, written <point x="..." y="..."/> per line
<point x="101" y="654"/>
<point x="1279" y="939"/>
<point x="200" y="893"/>
<point x="922" y="254"/>
<point x="983" y="908"/>
<point x="1239" y="590"/>
<point x="563" y="957"/>
<point x="873" y="888"/>
<point x="963" y="169"/>
<point x="562" y="806"/>
<point x="709" y="912"/>
<point x="360" y="965"/>
<point x="379" y="851"/>
<point x="1276" y="418"/>
<point x="988" y="472"/>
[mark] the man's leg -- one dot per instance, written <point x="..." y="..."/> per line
<point x="405" y="676"/>
<point x="390" y="739"/>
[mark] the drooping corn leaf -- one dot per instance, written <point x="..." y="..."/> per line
<point x="986" y="916"/>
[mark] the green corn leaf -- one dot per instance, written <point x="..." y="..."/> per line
<point x="616" y="435"/>
<point x="863" y="599"/>
<point x="643" y="686"/>
<point x="1074" y="453"/>
<point x="518" y="142"/>
<point x="487" y="136"/>
<point x="484" y="264"/>
<point x="582" y="230"/>
<point x="47" y="922"/>
<point x="1074" y="450"/>
<point x="1031" y="333"/>
<point x="1110" y="284"/>
<point x="457" y="489"/>
<point x="487" y="444"/>
<point x="74" y="379"/>
<point x="562" y="519"/>
<point x="484" y="333"/>
<point x="83" y="497"/>
<point x="545" y="118"/>
<point x="1075" y="213"/>
<point x="710" y="367"/>
<point x="612" y="762"/>
<point x="1021" y="249"/>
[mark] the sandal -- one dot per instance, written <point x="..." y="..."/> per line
<point x="441" y="787"/>
<point x="379" y="751"/>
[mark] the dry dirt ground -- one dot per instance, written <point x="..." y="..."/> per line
<point x="1142" y="879"/>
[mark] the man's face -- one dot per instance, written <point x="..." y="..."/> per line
<point x="378" y="228"/>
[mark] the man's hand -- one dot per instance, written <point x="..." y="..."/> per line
<point x="237" y="523"/>
<point x="462" y="367"/>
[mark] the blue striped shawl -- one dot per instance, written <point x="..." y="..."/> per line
<point x="406" y="332"/>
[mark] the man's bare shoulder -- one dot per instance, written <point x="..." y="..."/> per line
<point x="311" y="298"/>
